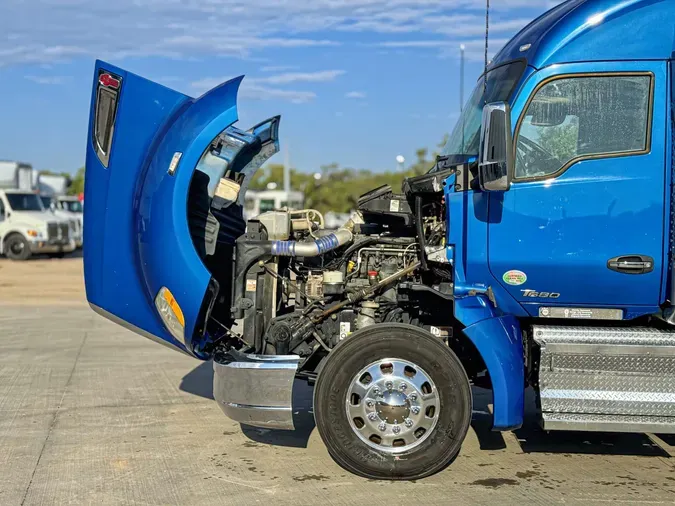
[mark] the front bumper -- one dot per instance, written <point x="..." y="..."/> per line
<point x="39" y="247"/>
<point x="256" y="390"/>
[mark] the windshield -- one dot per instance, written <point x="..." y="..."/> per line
<point x="74" y="206"/>
<point x="464" y="140"/>
<point x="46" y="202"/>
<point x="24" y="202"/>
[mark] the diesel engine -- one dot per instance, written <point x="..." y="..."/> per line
<point x="299" y="288"/>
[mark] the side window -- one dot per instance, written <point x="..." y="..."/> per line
<point x="577" y="117"/>
<point x="2" y="210"/>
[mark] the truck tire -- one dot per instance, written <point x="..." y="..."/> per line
<point x="17" y="247"/>
<point x="392" y="402"/>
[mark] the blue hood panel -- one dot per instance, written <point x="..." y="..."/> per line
<point x="135" y="224"/>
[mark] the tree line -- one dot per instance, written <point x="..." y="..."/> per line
<point x="336" y="190"/>
<point x="339" y="188"/>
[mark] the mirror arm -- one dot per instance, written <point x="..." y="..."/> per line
<point x="495" y="158"/>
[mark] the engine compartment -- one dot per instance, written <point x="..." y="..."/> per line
<point x="289" y="286"/>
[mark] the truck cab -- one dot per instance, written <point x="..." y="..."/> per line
<point x="537" y="252"/>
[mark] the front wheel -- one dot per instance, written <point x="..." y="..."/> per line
<point x="392" y="402"/>
<point x="17" y="247"/>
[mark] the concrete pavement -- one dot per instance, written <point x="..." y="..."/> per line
<point x="92" y="414"/>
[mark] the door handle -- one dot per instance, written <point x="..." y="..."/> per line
<point x="631" y="264"/>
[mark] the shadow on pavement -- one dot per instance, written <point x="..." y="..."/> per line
<point x="56" y="256"/>
<point x="531" y="437"/>
<point x="199" y="381"/>
<point x="481" y="421"/>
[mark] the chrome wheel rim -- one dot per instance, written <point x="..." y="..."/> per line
<point x="392" y="405"/>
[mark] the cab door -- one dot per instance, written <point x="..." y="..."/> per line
<point x="583" y="222"/>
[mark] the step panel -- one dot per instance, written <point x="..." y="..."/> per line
<point x="593" y="371"/>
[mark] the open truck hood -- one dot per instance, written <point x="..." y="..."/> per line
<point x="144" y="143"/>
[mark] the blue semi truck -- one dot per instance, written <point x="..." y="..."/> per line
<point x="537" y="252"/>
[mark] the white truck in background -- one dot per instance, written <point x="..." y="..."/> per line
<point x="16" y="175"/>
<point x="52" y="189"/>
<point x="26" y="228"/>
<point x="258" y="202"/>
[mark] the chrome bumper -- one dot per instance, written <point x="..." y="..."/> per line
<point x="256" y="389"/>
<point x="66" y="246"/>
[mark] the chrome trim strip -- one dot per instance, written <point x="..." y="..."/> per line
<point x="608" y="423"/>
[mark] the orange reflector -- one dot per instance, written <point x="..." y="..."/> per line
<point x="171" y="300"/>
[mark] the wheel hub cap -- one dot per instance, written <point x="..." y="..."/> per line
<point x="392" y="405"/>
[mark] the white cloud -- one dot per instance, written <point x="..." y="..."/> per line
<point x="415" y="43"/>
<point x="303" y="77"/>
<point x="474" y="49"/>
<point x="271" y="87"/>
<point x="257" y="92"/>
<point x="54" y="31"/>
<point x="358" y="95"/>
<point x="277" y="68"/>
<point x="49" y="80"/>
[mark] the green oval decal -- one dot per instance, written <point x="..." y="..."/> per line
<point x="514" y="278"/>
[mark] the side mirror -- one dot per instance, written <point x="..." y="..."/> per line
<point x="495" y="158"/>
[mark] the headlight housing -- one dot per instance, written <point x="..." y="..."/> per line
<point x="171" y="313"/>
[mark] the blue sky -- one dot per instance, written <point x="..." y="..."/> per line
<point x="357" y="81"/>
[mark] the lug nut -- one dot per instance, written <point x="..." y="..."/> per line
<point x="376" y="391"/>
<point x="389" y="385"/>
<point x="402" y="386"/>
<point x="408" y="422"/>
<point x="396" y="429"/>
<point x="370" y="404"/>
<point x="415" y="410"/>
<point x="382" y="426"/>
<point x="413" y="397"/>
<point x="372" y="417"/>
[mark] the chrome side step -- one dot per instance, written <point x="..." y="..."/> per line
<point x="607" y="379"/>
<point x="256" y="390"/>
<point x="609" y="423"/>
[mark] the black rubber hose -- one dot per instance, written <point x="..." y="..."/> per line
<point x="420" y="232"/>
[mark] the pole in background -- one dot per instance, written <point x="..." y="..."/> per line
<point x="287" y="172"/>
<point x="462" y="47"/>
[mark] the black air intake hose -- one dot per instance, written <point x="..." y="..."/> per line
<point x="420" y="232"/>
